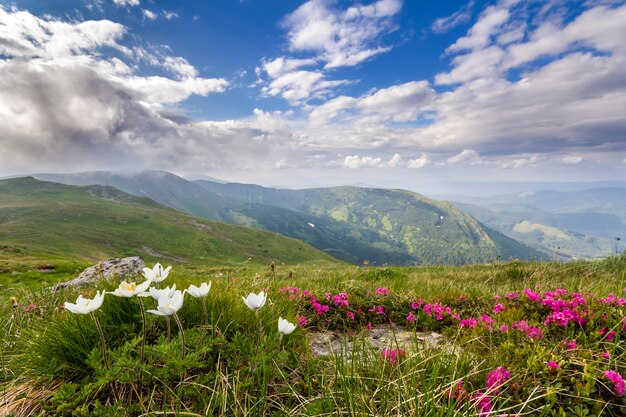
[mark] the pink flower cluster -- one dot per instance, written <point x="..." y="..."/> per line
<point x="614" y="301"/>
<point x="619" y="387"/>
<point x="498" y="308"/>
<point x="569" y="345"/>
<point x="496" y="378"/>
<point x="382" y="291"/>
<point x="340" y="300"/>
<point x="534" y="333"/>
<point x="393" y="355"/>
<point x="437" y="309"/>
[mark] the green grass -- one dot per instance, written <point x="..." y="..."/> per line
<point x="53" y="365"/>
<point x="49" y="220"/>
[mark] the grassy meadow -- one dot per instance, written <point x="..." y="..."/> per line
<point x="544" y="339"/>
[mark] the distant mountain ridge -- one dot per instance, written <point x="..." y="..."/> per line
<point x="350" y="223"/>
<point x="583" y="223"/>
<point x="97" y="222"/>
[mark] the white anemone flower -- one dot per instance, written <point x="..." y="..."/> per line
<point x="255" y="302"/>
<point x="85" y="305"/>
<point x="285" y="327"/>
<point x="168" y="306"/>
<point x="130" y="289"/>
<point x="201" y="291"/>
<point x="157" y="294"/>
<point x="157" y="273"/>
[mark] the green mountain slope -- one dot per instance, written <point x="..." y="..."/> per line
<point x="349" y="223"/>
<point x="428" y="231"/>
<point x="95" y="222"/>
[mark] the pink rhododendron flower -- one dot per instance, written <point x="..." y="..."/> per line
<point x="382" y="291"/>
<point x="302" y="321"/>
<point x="618" y="382"/>
<point x="410" y="318"/>
<point x="496" y="378"/>
<point x="606" y="355"/>
<point x="553" y="365"/>
<point x="350" y="315"/>
<point x="393" y="355"/>
<point x="482" y="402"/>
<point x="498" y="308"/>
<point x="458" y="392"/>
<point x="532" y="296"/>
<point x="504" y="328"/>
<point x="469" y="323"/>
<point x="569" y="345"/>
<point x="511" y="295"/>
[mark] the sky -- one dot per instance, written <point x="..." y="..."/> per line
<point x="389" y="93"/>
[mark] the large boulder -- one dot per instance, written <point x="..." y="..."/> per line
<point x="112" y="268"/>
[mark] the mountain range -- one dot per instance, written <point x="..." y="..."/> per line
<point x="352" y="224"/>
<point x="580" y="224"/>
<point x="48" y="220"/>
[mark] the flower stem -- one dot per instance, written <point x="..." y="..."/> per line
<point x="143" y="333"/>
<point x="102" y="342"/>
<point x="182" y="332"/>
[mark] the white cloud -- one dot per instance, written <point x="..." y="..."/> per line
<point x="397" y="103"/>
<point x="356" y="161"/>
<point x="446" y="24"/>
<point x="395" y="160"/>
<point x="341" y="37"/>
<point x="467" y="156"/>
<point x="572" y="160"/>
<point x="420" y="162"/>
<point x="488" y="25"/>
<point x="299" y="86"/>
<point x="148" y="14"/>
<point x="125" y="3"/>
<point x="521" y="162"/>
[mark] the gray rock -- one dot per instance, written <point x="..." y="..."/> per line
<point x="376" y="339"/>
<point x="109" y="269"/>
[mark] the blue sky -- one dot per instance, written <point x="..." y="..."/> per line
<point x="388" y="93"/>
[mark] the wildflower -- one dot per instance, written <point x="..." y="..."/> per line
<point x="168" y="306"/>
<point x="199" y="292"/>
<point x="606" y="355"/>
<point x="504" y="328"/>
<point x="618" y="382"/>
<point x="496" y="378"/>
<point x="482" y="402"/>
<point x="85" y="305"/>
<point x="285" y="327"/>
<point x="469" y="323"/>
<point x="511" y="295"/>
<point x="130" y="289"/>
<point x="302" y="321"/>
<point x="255" y="302"/>
<point x="534" y="333"/>
<point x="410" y="318"/>
<point x="569" y="345"/>
<point x="532" y="296"/>
<point x="382" y="291"/>
<point x="156" y="294"/>
<point x="552" y="365"/>
<point x="393" y="355"/>
<point x="157" y="273"/>
<point x="457" y="392"/>
<point x="30" y="307"/>
<point x="498" y="308"/>
<point x="417" y="304"/>
<point x="350" y="315"/>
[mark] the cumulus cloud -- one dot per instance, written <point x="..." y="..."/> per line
<point x="356" y="161"/>
<point x="467" y="156"/>
<point x="341" y="37"/>
<point x="125" y="3"/>
<point x="572" y="160"/>
<point x="420" y="162"/>
<point x="334" y="38"/>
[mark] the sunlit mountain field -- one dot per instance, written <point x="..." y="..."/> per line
<point x="516" y="339"/>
